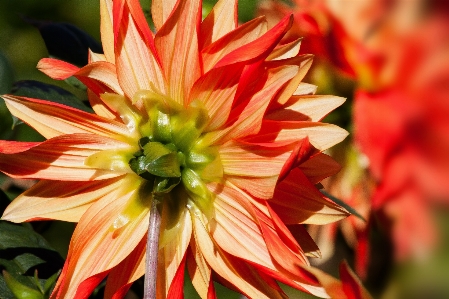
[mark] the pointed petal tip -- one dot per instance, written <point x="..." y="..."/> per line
<point x="56" y="69"/>
<point x="336" y="135"/>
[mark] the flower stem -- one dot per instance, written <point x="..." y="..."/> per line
<point x="152" y="251"/>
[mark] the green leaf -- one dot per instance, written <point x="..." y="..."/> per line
<point x="43" y="91"/>
<point x="5" y="292"/>
<point x="19" y="290"/>
<point x="22" y="253"/>
<point x="66" y="41"/>
<point x="343" y="204"/>
<point x="4" y="200"/>
<point x="6" y="75"/>
<point x="73" y="81"/>
<point x="37" y="283"/>
<point x="50" y="283"/>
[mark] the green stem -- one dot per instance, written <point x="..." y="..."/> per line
<point x="152" y="251"/>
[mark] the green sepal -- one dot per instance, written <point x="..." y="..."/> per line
<point x="206" y="163"/>
<point x="161" y="160"/>
<point x="165" y="166"/>
<point x="187" y="127"/>
<point x="143" y="141"/>
<point x="137" y="165"/>
<point x="199" y="158"/>
<point x="155" y="150"/>
<point x="195" y="186"/>
<point x="161" y="126"/>
<point x="165" y="185"/>
<point x="19" y="290"/>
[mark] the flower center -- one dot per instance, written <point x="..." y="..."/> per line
<point x="170" y="154"/>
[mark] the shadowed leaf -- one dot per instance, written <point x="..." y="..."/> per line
<point x="66" y="41"/>
<point x="43" y="91"/>
<point x="23" y="252"/>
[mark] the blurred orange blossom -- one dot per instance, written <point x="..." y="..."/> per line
<point x="210" y="118"/>
<point x="397" y="53"/>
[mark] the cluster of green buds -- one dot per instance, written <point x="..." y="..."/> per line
<point x="171" y="153"/>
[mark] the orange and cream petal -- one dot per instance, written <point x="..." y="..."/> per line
<point x="296" y="200"/>
<point x="229" y="268"/>
<point x="216" y="90"/>
<point x="100" y="71"/>
<point x="100" y="108"/>
<point x="139" y="18"/>
<point x="221" y="20"/>
<point x="286" y="51"/>
<point x="321" y="135"/>
<point x="305" y="89"/>
<point x="137" y="66"/>
<point x="62" y="157"/>
<point x="106" y="234"/>
<point x="302" y="152"/>
<point x="52" y="119"/>
<point x="246" y="118"/>
<point x="233" y="40"/>
<point x="304" y="62"/>
<point x="348" y="287"/>
<point x="59" y="200"/>
<point x="199" y="271"/>
<point x="352" y="286"/>
<point x="235" y="230"/>
<point x="309" y="107"/>
<point x="107" y="31"/>
<point x="319" y="167"/>
<point x="176" y="290"/>
<point x="253" y="109"/>
<point x="255" y="168"/>
<point x="173" y="245"/>
<point x="260" y="48"/>
<point x="177" y="44"/>
<point x="126" y="272"/>
<point x="257" y="239"/>
<point x="95" y="57"/>
<point x="57" y="69"/>
<point x="291" y="245"/>
<point x="161" y="10"/>
<point x="308" y="245"/>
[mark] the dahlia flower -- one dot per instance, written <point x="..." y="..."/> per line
<point x="400" y="103"/>
<point x="323" y="32"/>
<point x="410" y="161"/>
<point x="208" y="119"/>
